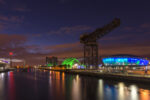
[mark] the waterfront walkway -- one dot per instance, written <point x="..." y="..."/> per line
<point x="142" y="78"/>
<point x="6" y="70"/>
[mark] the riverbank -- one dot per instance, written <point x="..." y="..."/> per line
<point x="7" y="70"/>
<point x="109" y="76"/>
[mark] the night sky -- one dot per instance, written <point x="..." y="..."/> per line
<point x="34" y="29"/>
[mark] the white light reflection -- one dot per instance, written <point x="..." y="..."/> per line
<point x="121" y="91"/>
<point x="100" y="89"/>
<point x="50" y="77"/>
<point x="134" y="92"/>
<point x="1" y="75"/>
<point x="76" y="92"/>
<point x="2" y="89"/>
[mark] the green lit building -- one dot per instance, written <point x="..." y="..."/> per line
<point x="72" y="63"/>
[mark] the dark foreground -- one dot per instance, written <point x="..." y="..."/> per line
<point x="51" y="85"/>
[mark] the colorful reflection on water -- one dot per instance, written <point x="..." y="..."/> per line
<point x="50" y="85"/>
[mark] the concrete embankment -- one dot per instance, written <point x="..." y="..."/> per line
<point x="119" y="77"/>
<point x="7" y="70"/>
<point x="109" y="76"/>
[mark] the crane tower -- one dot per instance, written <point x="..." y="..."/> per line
<point x="91" y="45"/>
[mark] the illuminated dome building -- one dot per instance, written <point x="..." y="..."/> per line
<point x="72" y="63"/>
<point x="124" y="60"/>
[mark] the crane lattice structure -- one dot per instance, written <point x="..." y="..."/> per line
<point x="91" y="45"/>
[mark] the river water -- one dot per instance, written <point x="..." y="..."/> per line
<point x="50" y="85"/>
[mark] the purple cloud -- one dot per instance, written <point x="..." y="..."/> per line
<point x="71" y="30"/>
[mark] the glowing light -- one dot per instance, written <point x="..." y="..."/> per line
<point x="69" y="62"/>
<point x="121" y="91"/>
<point x="5" y="60"/>
<point x="76" y="89"/>
<point x="10" y="53"/>
<point x="101" y="90"/>
<point x="144" y="94"/>
<point x="75" y="66"/>
<point x="134" y="92"/>
<point x="113" y="61"/>
<point x="2" y="75"/>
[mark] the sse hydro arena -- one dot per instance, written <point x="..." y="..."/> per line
<point x="124" y="60"/>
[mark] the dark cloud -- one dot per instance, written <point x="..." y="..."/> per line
<point x="12" y="19"/>
<point x="145" y="25"/>
<point x="65" y="50"/>
<point x="7" y="39"/>
<point x="20" y="8"/>
<point x="71" y="30"/>
<point x="2" y="26"/>
<point x="128" y="28"/>
<point x="77" y="51"/>
<point x="63" y="46"/>
<point x="10" y="22"/>
<point x="139" y="50"/>
<point x="117" y="37"/>
<point x="138" y="28"/>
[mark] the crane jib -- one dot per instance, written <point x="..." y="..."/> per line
<point x="100" y="32"/>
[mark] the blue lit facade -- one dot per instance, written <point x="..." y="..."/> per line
<point x="124" y="61"/>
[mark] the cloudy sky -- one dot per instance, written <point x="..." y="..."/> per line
<point x="34" y="29"/>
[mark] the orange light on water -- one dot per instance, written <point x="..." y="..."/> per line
<point x="144" y="94"/>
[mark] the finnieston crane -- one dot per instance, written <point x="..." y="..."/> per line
<point x="91" y="45"/>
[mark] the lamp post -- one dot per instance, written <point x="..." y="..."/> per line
<point x="10" y="54"/>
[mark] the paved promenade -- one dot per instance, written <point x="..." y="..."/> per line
<point x="141" y="78"/>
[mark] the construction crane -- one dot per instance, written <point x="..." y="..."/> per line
<point x="91" y="45"/>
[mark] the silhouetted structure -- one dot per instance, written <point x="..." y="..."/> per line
<point x="91" y="45"/>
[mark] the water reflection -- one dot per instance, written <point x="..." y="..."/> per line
<point x="1" y="76"/>
<point x="134" y="92"/>
<point x="63" y="83"/>
<point x="76" y="89"/>
<point x="2" y="85"/>
<point x="11" y="88"/>
<point x="144" y="94"/>
<point x="109" y="92"/>
<point x="100" y="90"/>
<point x="122" y="92"/>
<point x="57" y="85"/>
<point x="51" y="85"/>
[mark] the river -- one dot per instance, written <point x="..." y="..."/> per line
<point x="51" y="85"/>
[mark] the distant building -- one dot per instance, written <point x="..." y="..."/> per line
<point x="124" y="60"/>
<point x="3" y="64"/>
<point x="51" y="61"/>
